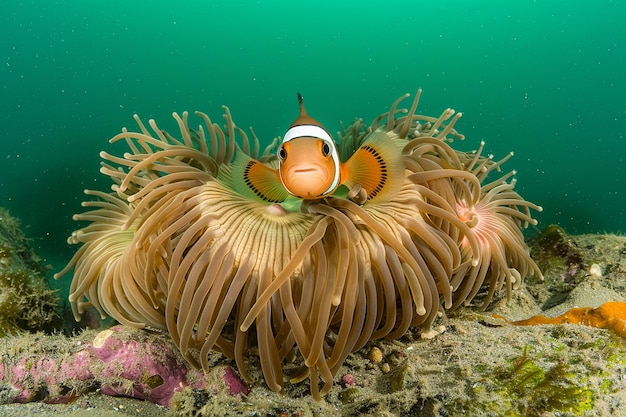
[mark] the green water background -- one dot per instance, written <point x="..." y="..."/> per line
<point x="544" y="79"/>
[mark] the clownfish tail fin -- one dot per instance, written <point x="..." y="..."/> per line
<point x="255" y="180"/>
<point x="376" y="166"/>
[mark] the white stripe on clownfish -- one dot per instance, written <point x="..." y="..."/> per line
<point x="312" y="131"/>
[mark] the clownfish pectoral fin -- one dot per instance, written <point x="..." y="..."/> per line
<point x="255" y="180"/>
<point x="376" y="166"/>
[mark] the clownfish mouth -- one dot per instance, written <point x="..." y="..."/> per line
<point x="308" y="181"/>
<point x="312" y="173"/>
<point x="304" y="178"/>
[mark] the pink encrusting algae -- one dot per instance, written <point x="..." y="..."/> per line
<point x="120" y="361"/>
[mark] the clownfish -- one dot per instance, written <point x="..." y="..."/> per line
<point x="309" y="167"/>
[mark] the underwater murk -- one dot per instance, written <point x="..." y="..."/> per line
<point x="383" y="265"/>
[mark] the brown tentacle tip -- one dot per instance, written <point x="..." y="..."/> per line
<point x="357" y="194"/>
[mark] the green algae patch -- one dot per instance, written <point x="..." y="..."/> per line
<point x="536" y="387"/>
<point x="26" y="302"/>
<point x="534" y="383"/>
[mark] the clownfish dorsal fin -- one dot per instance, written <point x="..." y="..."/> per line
<point x="304" y="118"/>
<point x="301" y="104"/>
<point x="256" y="180"/>
<point x="376" y="166"/>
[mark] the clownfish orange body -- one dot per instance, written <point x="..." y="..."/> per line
<point x="310" y="168"/>
<point x="309" y="161"/>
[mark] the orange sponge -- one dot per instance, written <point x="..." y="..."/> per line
<point x="610" y="315"/>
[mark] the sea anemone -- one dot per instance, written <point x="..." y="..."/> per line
<point x="178" y="245"/>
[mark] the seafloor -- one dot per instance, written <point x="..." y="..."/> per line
<point x="479" y="365"/>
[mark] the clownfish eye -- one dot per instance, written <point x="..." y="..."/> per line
<point x="325" y="149"/>
<point x="282" y="153"/>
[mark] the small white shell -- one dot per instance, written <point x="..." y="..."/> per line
<point x="595" y="271"/>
